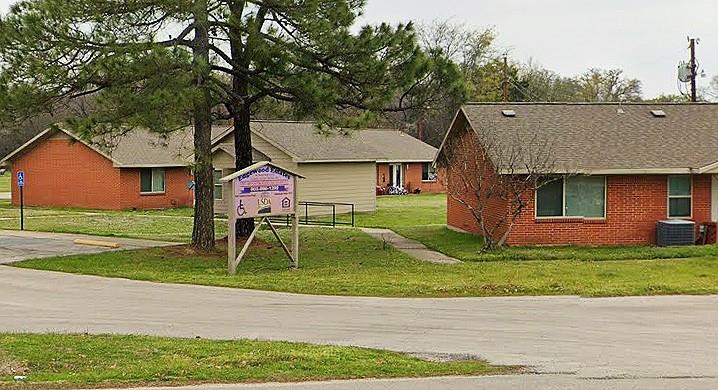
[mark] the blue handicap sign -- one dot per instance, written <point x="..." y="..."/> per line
<point x="21" y="179"/>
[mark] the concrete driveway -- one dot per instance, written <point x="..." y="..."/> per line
<point x="640" y="338"/>
<point x="22" y="245"/>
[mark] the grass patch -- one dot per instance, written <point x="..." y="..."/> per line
<point x="348" y="262"/>
<point x="408" y="210"/>
<point x="176" y="224"/>
<point x="5" y="183"/>
<point x="166" y="225"/>
<point x="54" y="360"/>
<point x="467" y="247"/>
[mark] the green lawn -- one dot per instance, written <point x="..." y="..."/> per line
<point x="348" y="262"/>
<point x="408" y="210"/>
<point x="5" y="183"/>
<point x="176" y="224"/>
<point x="467" y="247"/>
<point x="71" y="361"/>
<point x="167" y="225"/>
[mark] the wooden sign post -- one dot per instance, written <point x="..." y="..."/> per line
<point x="262" y="190"/>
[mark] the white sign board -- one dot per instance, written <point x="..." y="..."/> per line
<point x="262" y="190"/>
<point x="267" y="191"/>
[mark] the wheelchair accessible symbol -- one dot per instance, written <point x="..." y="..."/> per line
<point x="241" y="211"/>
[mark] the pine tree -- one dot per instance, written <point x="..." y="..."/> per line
<point x="234" y="53"/>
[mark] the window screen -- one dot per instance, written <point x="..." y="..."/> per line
<point x="217" y="184"/>
<point x="146" y="180"/>
<point x="586" y="196"/>
<point x="679" y="196"/>
<point x="158" y="180"/>
<point x="152" y="180"/>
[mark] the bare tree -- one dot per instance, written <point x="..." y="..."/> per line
<point x="492" y="177"/>
<point x="599" y="85"/>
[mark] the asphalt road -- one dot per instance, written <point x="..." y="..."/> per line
<point x="18" y="245"/>
<point x="515" y="382"/>
<point x="644" y="338"/>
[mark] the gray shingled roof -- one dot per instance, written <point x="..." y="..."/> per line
<point x="398" y="146"/>
<point x="138" y="148"/>
<point x="143" y="148"/>
<point x="301" y="140"/>
<point x="607" y="136"/>
<point x="305" y="142"/>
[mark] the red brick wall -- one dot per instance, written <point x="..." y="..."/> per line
<point x="633" y="206"/>
<point x="60" y="173"/>
<point x="382" y="175"/>
<point x="64" y="174"/>
<point x="412" y="178"/>
<point x="176" y="192"/>
<point x="464" y="166"/>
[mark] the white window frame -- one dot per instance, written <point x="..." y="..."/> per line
<point x="152" y="181"/>
<point x="215" y="185"/>
<point x="669" y="197"/>
<point x="563" y="206"/>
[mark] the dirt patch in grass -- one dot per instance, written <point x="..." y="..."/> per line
<point x="10" y="366"/>
<point x="187" y="252"/>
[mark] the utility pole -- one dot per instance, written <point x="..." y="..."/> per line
<point x="506" y="79"/>
<point x="694" y="69"/>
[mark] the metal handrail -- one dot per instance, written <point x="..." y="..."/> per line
<point x="305" y="218"/>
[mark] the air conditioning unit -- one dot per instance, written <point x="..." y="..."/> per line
<point x="675" y="232"/>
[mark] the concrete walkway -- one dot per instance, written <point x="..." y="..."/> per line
<point x="640" y="337"/>
<point x="18" y="245"/>
<point x="410" y="247"/>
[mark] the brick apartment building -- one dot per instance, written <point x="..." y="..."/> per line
<point x="619" y="169"/>
<point x="141" y="171"/>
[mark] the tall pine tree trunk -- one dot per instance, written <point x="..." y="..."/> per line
<point x="203" y="231"/>
<point x="241" y="117"/>
<point x="243" y="151"/>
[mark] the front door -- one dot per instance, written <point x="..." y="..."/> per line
<point x="396" y="174"/>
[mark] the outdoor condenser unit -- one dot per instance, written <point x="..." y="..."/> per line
<point x="675" y="232"/>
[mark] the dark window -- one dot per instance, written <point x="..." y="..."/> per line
<point x="549" y="199"/>
<point x="428" y="172"/>
<point x="217" y="184"/>
<point x="579" y="196"/>
<point x="679" y="196"/>
<point x="152" y="180"/>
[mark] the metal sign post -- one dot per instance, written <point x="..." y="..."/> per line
<point x="262" y="190"/>
<point x="21" y="186"/>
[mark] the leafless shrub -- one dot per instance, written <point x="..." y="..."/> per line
<point x="491" y="174"/>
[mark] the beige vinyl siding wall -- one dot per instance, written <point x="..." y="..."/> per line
<point x="275" y="154"/>
<point x="350" y="182"/>
<point x="325" y="182"/>
<point x="225" y="162"/>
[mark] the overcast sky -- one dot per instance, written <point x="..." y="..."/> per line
<point x="645" y="38"/>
